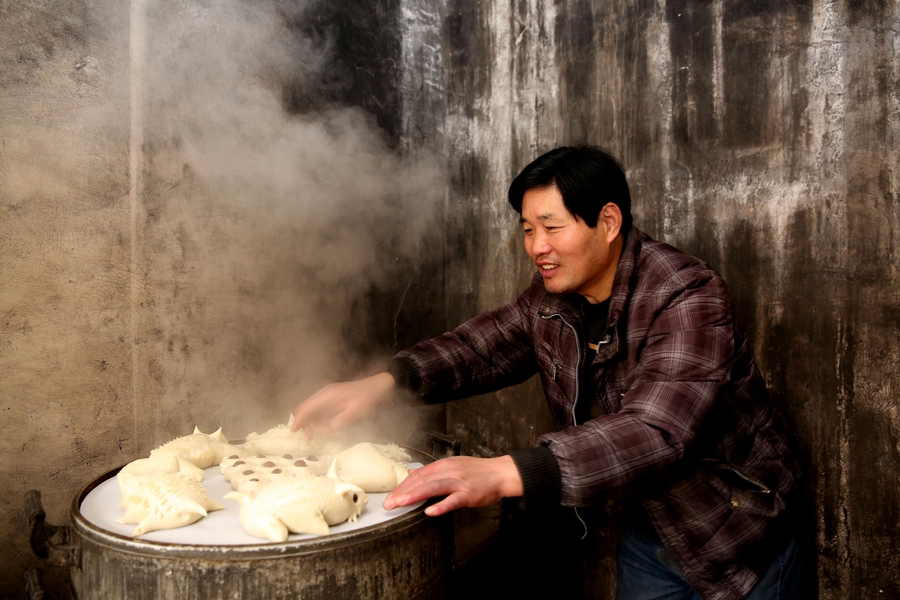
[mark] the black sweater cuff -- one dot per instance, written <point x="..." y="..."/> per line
<point x="405" y="374"/>
<point x="540" y="475"/>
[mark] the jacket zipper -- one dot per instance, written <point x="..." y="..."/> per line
<point x="762" y="488"/>
<point x="556" y="369"/>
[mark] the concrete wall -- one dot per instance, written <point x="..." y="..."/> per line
<point x="179" y="181"/>
<point x="760" y="136"/>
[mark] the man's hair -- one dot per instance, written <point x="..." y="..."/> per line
<point x="587" y="177"/>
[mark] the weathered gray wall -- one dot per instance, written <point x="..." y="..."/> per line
<point x="760" y="136"/>
<point x="144" y="289"/>
<point x="196" y="227"/>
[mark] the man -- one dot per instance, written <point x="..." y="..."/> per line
<point x="651" y="385"/>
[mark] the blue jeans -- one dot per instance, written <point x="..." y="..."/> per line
<point x="645" y="571"/>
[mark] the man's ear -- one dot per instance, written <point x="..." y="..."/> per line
<point x="611" y="217"/>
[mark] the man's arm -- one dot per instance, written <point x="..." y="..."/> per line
<point x="488" y="352"/>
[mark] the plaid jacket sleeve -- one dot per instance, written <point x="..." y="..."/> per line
<point x="680" y="346"/>
<point x="490" y="351"/>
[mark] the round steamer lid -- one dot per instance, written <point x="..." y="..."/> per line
<point x="221" y="527"/>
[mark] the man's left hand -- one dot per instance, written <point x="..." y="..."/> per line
<point x="466" y="481"/>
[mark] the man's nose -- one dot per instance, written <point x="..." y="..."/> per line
<point x="540" y="243"/>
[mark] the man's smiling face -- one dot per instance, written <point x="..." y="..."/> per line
<point x="571" y="256"/>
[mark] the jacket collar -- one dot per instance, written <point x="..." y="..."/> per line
<point x="569" y="308"/>
<point x="623" y="284"/>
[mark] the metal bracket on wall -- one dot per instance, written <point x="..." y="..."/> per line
<point x="34" y="585"/>
<point x="444" y="440"/>
<point x="53" y="543"/>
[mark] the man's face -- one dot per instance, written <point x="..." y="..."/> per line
<point x="571" y="256"/>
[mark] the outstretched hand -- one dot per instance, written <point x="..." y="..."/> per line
<point x="339" y="404"/>
<point x="465" y="480"/>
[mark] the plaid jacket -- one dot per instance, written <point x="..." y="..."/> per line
<point x="688" y="427"/>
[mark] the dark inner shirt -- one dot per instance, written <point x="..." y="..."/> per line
<point x="594" y="328"/>
<point x="589" y="406"/>
<point x="595" y="322"/>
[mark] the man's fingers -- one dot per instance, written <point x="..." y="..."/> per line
<point x="302" y="415"/>
<point x="342" y="420"/>
<point x="314" y="412"/>
<point x="337" y="405"/>
<point x="448" y="504"/>
<point x="417" y="492"/>
<point x="403" y="494"/>
<point x="412" y="480"/>
<point x="298" y="418"/>
<point x="390" y="502"/>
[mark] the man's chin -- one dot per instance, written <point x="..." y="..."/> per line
<point x="555" y="287"/>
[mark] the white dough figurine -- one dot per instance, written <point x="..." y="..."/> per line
<point x="162" y="501"/>
<point x="200" y="449"/>
<point x="373" y="467"/>
<point x="298" y="504"/>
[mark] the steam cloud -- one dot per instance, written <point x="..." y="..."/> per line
<point x="282" y="221"/>
<point x="178" y="231"/>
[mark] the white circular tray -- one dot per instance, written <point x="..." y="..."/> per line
<point x="221" y="527"/>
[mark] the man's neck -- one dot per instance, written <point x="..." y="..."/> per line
<point x="603" y="289"/>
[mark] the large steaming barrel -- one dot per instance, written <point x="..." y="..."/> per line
<point x="410" y="556"/>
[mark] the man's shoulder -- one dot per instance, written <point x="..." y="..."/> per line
<point x="663" y="272"/>
<point x="663" y="262"/>
<point x="668" y="279"/>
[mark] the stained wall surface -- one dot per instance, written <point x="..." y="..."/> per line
<point x="204" y="216"/>
<point x="760" y="136"/>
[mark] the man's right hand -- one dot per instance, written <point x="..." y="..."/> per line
<point x="339" y="404"/>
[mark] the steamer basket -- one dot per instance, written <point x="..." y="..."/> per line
<point x="410" y="556"/>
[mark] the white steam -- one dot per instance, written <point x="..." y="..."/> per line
<point x="266" y="228"/>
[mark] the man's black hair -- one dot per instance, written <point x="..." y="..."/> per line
<point x="587" y="177"/>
